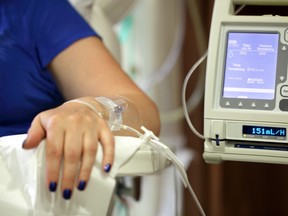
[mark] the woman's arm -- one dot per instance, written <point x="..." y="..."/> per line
<point x="86" y="70"/>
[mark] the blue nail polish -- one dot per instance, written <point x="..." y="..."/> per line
<point x="107" y="167"/>
<point x="82" y="185"/>
<point x="67" y="194"/>
<point x="53" y="186"/>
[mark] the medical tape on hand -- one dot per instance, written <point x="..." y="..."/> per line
<point x="115" y="112"/>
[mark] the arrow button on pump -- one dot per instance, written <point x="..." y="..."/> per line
<point x="227" y="103"/>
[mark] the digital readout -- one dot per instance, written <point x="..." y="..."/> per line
<point x="251" y="65"/>
<point x="264" y="131"/>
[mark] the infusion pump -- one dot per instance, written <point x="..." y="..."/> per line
<point x="246" y="89"/>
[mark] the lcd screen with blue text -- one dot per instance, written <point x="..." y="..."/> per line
<point x="264" y="131"/>
<point x="251" y="65"/>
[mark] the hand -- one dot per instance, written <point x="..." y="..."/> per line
<point x="72" y="132"/>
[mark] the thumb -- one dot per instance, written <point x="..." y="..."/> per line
<point x="35" y="135"/>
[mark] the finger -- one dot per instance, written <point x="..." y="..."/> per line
<point x="35" y="134"/>
<point x="107" y="141"/>
<point x="90" y="144"/>
<point x="54" y="152"/>
<point x="72" y="155"/>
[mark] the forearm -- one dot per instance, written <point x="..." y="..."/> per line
<point x="134" y="110"/>
<point x="95" y="73"/>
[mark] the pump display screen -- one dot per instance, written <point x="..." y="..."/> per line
<point x="249" y="130"/>
<point x="251" y="65"/>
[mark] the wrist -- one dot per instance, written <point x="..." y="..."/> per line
<point x="113" y="112"/>
<point x="110" y="109"/>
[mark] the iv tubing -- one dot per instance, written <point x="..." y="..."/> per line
<point x="186" y="113"/>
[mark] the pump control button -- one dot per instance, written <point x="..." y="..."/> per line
<point x="286" y="35"/>
<point x="284" y="91"/>
<point x="283" y="105"/>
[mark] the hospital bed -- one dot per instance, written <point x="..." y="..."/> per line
<point x="23" y="188"/>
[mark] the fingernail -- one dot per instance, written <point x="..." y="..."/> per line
<point x="107" y="167"/>
<point x="53" y="186"/>
<point x="82" y="185"/>
<point x="67" y="194"/>
<point x="23" y="143"/>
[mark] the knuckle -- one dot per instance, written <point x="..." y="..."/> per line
<point x="109" y="154"/>
<point x="53" y="175"/>
<point x="53" y="122"/>
<point x="78" y="118"/>
<point x="85" y="173"/>
<point x="54" y="153"/>
<point x="91" y="149"/>
<point x="88" y="120"/>
<point x="74" y="118"/>
<point x="72" y="155"/>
